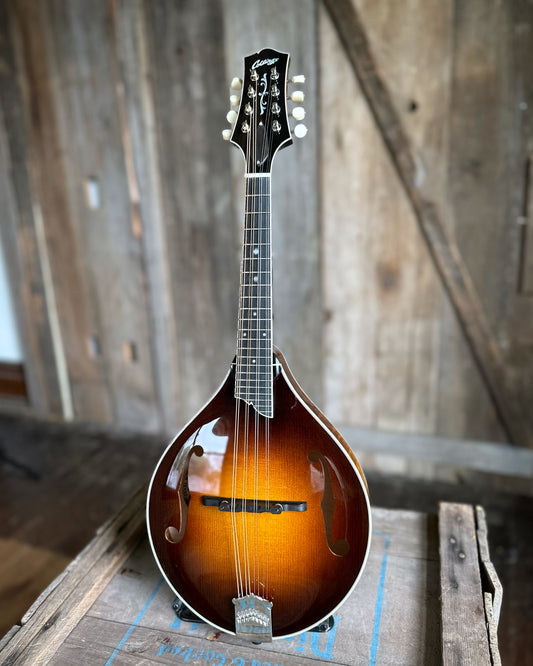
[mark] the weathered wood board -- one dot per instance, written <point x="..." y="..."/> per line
<point x="189" y="87"/>
<point x="464" y="634"/>
<point x="19" y="238"/>
<point x="105" y="235"/>
<point x="115" y="176"/>
<point x="109" y="607"/>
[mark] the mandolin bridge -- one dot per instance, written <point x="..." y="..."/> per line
<point x="252" y="505"/>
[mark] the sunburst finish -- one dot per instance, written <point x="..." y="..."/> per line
<point x="284" y="557"/>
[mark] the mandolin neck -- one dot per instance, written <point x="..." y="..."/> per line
<point x="253" y="380"/>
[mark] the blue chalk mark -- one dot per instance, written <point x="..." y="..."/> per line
<point x="301" y="642"/>
<point x="379" y="604"/>
<point x="327" y="652"/>
<point x="135" y="623"/>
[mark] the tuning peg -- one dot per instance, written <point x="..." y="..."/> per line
<point x="300" y="131"/>
<point x="298" y="96"/>
<point x="234" y="100"/>
<point x="231" y="116"/>
<point x="298" y="113"/>
<point x="226" y="134"/>
<point x="236" y="83"/>
<point x="298" y="78"/>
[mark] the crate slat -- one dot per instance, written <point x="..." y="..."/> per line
<point x="112" y="606"/>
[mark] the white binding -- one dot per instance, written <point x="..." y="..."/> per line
<point x="342" y="448"/>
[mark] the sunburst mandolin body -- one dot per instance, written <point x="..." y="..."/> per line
<point x="306" y="561"/>
<point x="258" y="511"/>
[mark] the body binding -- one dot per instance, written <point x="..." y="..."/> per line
<point x="278" y="506"/>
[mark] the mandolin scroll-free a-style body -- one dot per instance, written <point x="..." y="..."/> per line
<point x="258" y="511"/>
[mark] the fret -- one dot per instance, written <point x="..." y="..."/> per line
<point x="263" y="376"/>
<point x="259" y="237"/>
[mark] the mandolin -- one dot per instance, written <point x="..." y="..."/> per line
<point x="258" y="512"/>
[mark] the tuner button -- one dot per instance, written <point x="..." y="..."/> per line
<point x="236" y="83"/>
<point x="234" y="100"/>
<point x="226" y="134"/>
<point x="299" y="78"/>
<point x="298" y="96"/>
<point x="231" y="116"/>
<point x="298" y="113"/>
<point x="300" y="131"/>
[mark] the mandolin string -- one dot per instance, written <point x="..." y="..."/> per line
<point x="268" y="342"/>
<point x="256" y="336"/>
<point x="238" y="572"/>
<point x="244" y="498"/>
<point x="257" y="419"/>
<point x="242" y="382"/>
<point x="247" y="239"/>
<point x="262" y="308"/>
<point x="247" y="313"/>
<point x="253" y="329"/>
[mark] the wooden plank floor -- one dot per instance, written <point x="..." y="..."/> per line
<point x="59" y="483"/>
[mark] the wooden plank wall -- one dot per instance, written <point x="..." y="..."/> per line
<point x="110" y="145"/>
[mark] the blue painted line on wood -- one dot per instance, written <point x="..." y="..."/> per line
<point x="379" y="603"/>
<point x="135" y="622"/>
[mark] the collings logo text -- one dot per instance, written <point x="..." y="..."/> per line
<point x="260" y="63"/>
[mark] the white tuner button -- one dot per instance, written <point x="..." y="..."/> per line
<point x="226" y="134"/>
<point x="234" y="100"/>
<point x="231" y="116"/>
<point x="299" y="78"/>
<point x="298" y="96"/>
<point x="236" y="83"/>
<point x="300" y="131"/>
<point x="298" y="113"/>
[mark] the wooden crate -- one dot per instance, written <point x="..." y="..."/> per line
<point x="420" y="601"/>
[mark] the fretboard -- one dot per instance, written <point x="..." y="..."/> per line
<point x="253" y="381"/>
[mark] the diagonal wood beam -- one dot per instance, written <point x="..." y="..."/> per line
<point x="515" y="418"/>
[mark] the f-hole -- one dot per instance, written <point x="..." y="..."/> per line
<point x="340" y="547"/>
<point x="172" y="533"/>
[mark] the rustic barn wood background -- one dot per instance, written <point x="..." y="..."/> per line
<point x="402" y="238"/>
<point x="403" y="256"/>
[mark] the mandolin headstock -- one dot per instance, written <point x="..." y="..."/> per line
<point x="261" y="124"/>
